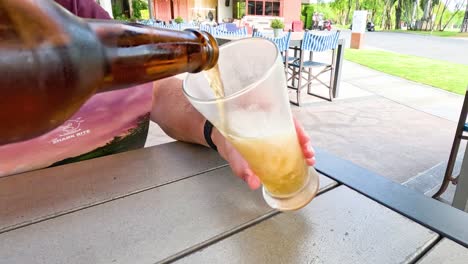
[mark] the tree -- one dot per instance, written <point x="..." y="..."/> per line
<point x="442" y="17"/>
<point x="130" y="8"/>
<point x="464" y="27"/>
<point x="339" y="6"/>
<point x="387" y="14"/>
<point x="398" y="10"/>
<point x="375" y="9"/>
<point x="414" y="13"/>
<point x="349" y="10"/>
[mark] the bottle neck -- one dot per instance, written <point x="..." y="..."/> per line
<point x="137" y="54"/>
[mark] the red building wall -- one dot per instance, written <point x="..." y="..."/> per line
<point x="162" y="9"/>
<point x="291" y="10"/>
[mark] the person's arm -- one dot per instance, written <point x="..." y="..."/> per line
<point x="180" y="120"/>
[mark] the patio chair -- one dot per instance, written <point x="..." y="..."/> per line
<point x="186" y="25"/>
<point x="313" y="43"/>
<point x="462" y="128"/>
<point x="150" y="22"/>
<point x="281" y="42"/>
<point x="241" y="32"/>
<point x="169" y="26"/>
<point x="207" y="28"/>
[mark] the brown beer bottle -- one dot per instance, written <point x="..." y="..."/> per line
<point x="51" y="62"/>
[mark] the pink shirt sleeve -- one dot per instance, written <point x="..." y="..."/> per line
<point x="85" y="8"/>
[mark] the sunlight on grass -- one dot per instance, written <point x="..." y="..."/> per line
<point x="449" y="76"/>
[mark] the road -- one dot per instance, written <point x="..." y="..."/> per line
<point x="440" y="48"/>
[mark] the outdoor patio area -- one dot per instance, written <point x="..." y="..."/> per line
<point x="234" y="131"/>
<point x="399" y="129"/>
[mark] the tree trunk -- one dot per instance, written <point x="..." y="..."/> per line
<point x="357" y="5"/>
<point x="448" y="22"/>
<point x="388" y="16"/>
<point x="130" y="8"/>
<point x="349" y="10"/>
<point x="427" y="10"/>
<point x="384" y="15"/>
<point x="413" y="15"/>
<point x="464" y="27"/>
<point x="398" y="15"/>
<point x="439" y="26"/>
<point x="426" y="16"/>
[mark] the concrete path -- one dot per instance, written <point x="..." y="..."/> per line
<point x="433" y="47"/>
<point x="421" y="97"/>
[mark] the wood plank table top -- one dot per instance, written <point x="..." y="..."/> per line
<point x="179" y="202"/>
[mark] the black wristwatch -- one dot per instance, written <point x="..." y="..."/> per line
<point x="207" y="130"/>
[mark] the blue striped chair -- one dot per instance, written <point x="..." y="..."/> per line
<point x="207" y="28"/>
<point x="170" y="26"/>
<point x="190" y="24"/>
<point x="150" y="22"/>
<point x="313" y="43"/>
<point x="241" y="32"/>
<point x="281" y="42"/>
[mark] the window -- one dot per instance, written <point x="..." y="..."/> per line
<point x="264" y="8"/>
<point x="258" y="8"/>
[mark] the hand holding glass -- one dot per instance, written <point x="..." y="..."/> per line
<point x="255" y="117"/>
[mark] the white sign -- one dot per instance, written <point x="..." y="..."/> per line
<point x="359" y="21"/>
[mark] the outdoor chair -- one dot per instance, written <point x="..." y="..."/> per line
<point x="186" y="25"/>
<point x="241" y="32"/>
<point x="150" y="22"/>
<point x="228" y="27"/>
<point x="462" y="128"/>
<point x="282" y="43"/>
<point x="207" y="28"/>
<point x="169" y="26"/>
<point x="313" y="43"/>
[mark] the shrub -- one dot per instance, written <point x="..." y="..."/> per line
<point x="179" y="20"/>
<point x="276" y="23"/>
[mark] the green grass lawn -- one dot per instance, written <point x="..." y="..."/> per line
<point x="444" y="75"/>
<point x="435" y="33"/>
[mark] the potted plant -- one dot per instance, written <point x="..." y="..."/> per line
<point x="179" y="20"/>
<point x="277" y="25"/>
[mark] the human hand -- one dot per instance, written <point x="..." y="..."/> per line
<point x="241" y="168"/>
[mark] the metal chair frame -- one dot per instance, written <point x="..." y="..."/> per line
<point x="459" y="135"/>
<point x="311" y="43"/>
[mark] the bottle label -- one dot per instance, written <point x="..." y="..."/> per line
<point x="107" y="123"/>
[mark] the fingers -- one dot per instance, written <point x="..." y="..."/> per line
<point x="304" y="141"/>
<point x="243" y="171"/>
<point x="239" y="165"/>
<point x="252" y="180"/>
<point x="301" y="133"/>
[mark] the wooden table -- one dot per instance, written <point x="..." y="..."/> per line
<point x="180" y="202"/>
<point x="296" y="40"/>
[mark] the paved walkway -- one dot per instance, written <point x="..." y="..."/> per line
<point x="433" y="47"/>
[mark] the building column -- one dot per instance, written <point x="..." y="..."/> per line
<point x="151" y="9"/>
